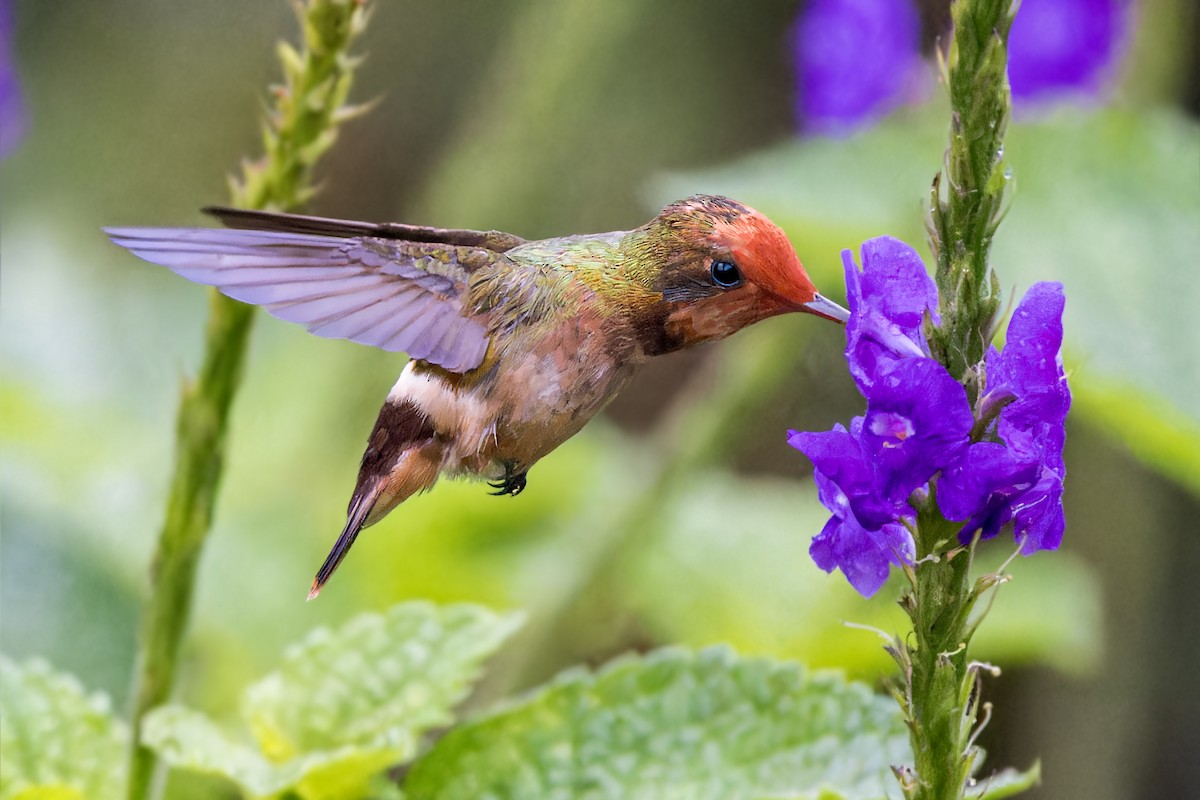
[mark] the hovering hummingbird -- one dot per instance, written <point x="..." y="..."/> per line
<point x="514" y="344"/>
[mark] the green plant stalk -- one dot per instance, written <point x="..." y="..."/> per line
<point x="940" y="695"/>
<point x="968" y="194"/>
<point x="941" y="714"/>
<point x="300" y="126"/>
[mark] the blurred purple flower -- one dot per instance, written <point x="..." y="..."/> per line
<point x="919" y="423"/>
<point x="1061" y="47"/>
<point x="12" y="109"/>
<point x="854" y="59"/>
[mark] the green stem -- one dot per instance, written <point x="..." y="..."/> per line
<point x="300" y="127"/>
<point x="968" y="194"/>
<point x="199" y="452"/>
<point x="940" y="677"/>
<point x="942" y="685"/>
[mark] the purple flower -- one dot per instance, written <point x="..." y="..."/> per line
<point x="1059" y="47"/>
<point x="1021" y="479"/>
<point x="840" y="458"/>
<point x="1030" y="371"/>
<point x="980" y="488"/>
<point x="845" y="485"/>
<point x="854" y="60"/>
<point x="919" y="423"/>
<point x="888" y="302"/>
<point x="917" y="414"/>
<point x="864" y="556"/>
<point x="918" y="419"/>
<point x="12" y="109"/>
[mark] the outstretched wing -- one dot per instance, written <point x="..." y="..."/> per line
<point x="253" y="219"/>
<point x="395" y="295"/>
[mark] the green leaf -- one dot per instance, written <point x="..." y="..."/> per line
<point x="344" y="705"/>
<point x="56" y="741"/>
<point x="382" y="680"/>
<point x="676" y="725"/>
<point x="1106" y="202"/>
<point x="190" y="740"/>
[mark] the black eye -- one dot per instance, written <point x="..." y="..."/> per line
<point x="725" y="274"/>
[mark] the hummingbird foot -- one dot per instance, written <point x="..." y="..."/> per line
<point x="513" y="483"/>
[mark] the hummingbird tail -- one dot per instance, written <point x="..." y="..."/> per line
<point x="403" y="457"/>
<point x="356" y="520"/>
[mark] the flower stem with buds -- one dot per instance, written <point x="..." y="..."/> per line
<point x="301" y="125"/>
<point x="940" y="691"/>
<point x="968" y="194"/>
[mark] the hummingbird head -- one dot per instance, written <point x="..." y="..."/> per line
<point x="725" y="266"/>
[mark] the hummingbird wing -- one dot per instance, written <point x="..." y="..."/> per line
<point x="300" y="223"/>
<point x="392" y="294"/>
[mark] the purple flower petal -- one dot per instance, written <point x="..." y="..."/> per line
<point x="844" y="476"/>
<point x="836" y="455"/>
<point x="1059" y="47"/>
<point x="864" y="556"/>
<point x="1038" y="517"/>
<point x="1028" y="374"/>
<point x="1031" y="357"/>
<point x="844" y="544"/>
<point x="854" y="60"/>
<point x="979" y="488"/>
<point x="12" y="108"/>
<point x="888" y="302"/>
<point x="918" y="420"/>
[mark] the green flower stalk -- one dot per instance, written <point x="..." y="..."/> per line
<point x="940" y="693"/>
<point x="959" y="439"/>
<point x="300" y="127"/>
<point x="968" y="194"/>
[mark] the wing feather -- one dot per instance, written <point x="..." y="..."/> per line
<point x="441" y="349"/>
<point x="375" y="330"/>
<point x="392" y="294"/>
<point x="299" y="223"/>
<point x="280" y="295"/>
<point x="410" y="337"/>
<point x="356" y="309"/>
<point x="432" y="335"/>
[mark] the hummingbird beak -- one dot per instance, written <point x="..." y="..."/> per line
<point x="828" y="309"/>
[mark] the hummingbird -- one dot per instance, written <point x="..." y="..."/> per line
<point x="514" y="344"/>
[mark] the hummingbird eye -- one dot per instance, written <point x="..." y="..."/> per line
<point x="725" y="274"/>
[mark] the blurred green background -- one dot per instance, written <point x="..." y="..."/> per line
<point x="681" y="515"/>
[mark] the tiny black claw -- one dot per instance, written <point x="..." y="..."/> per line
<point x="513" y="483"/>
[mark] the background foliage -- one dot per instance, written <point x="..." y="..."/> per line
<point x="547" y="117"/>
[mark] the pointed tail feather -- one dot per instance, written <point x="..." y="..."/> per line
<point x="403" y="457"/>
<point x="355" y="521"/>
